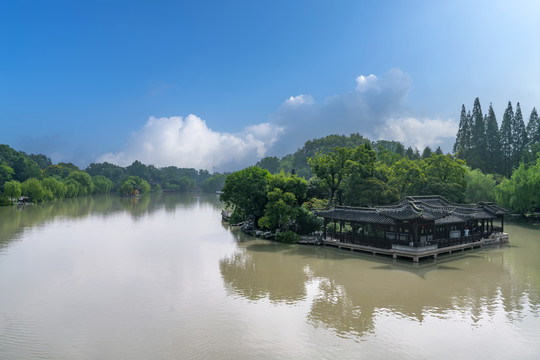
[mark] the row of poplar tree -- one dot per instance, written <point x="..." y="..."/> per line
<point x="491" y="149"/>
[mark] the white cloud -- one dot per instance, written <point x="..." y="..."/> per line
<point x="300" y="100"/>
<point x="190" y="143"/>
<point x="364" y="83"/>
<point x="375" y="109"/>
<point x="419" y="133"/>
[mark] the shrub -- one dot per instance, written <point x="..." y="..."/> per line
<point x="4" y="201"/>
<point x="289" y="237"/>
<point x="236" y="217"/>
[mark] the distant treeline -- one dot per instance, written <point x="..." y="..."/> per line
<point x="488" y="163"/>
<point x="36" y="178"/>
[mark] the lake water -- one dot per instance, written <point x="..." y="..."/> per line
<point x="161" y="277"/>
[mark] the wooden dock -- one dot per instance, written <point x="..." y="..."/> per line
<point x="417" y="253"/>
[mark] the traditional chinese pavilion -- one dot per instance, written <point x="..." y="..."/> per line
<point x="416" y="223"/>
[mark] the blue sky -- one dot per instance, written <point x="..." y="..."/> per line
<point x="198" y="83"/>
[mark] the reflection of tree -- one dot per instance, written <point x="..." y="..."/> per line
<point x="262" y="271"/>
<point x="351" y="291"/>
<point x="13" y="219"/>
<point x="333" y="309"/>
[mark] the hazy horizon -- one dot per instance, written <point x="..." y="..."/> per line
<point x="195" y="85"/>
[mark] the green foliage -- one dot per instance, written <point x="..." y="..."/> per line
<point x="306" y="221"/>
<point x="292" y="184"/>
<point x="133" y="184"/>
<point x="270" y="163"/>
<point x="445" y="177"/>
<point x="12" y="189"/>
<point x="280" y="211"/>
<point x="480" y="186"/>
<point x="56" y="189"/>
<point x="110" y="171"/>
<point x="102" y="185"/>
<point x="407" y="177"/>
<point x="332" y="169"/>
<point x="138" y="169"/>
<point x="5" y="201"/>
<point x="288" y="237"/>
<point x="41" y="160"/>
<point x="33" y="189"/>
<point x="72" y="188"/>
<point x="214" y="183"/>
<point x="6" y="174"/>
<point x="245" y="190"/>
<point x="521" y="191"/>
<point x="368" y="192"/>
<point x="86" y="186"/>
<point x="237" y="217"/>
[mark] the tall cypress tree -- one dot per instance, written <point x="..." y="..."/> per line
<point x="533" y="128"/>
<point x="520" y="137"/>
<point x="463" y="124"/>
<point x="477" y="157"/>
<point x="493" y="139"/>
<point x="479" y="127"/>
<point x="507" y="140"/>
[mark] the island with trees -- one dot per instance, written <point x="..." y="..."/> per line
<point x="488" y="163"/>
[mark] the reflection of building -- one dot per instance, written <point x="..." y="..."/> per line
<point x="417" y="226"/>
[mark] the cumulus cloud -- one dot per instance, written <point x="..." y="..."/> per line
<point x="300" y="100"/>
<point x="376" y="108"/>
<point x="418" y="133"/>
<point x="190" y="143"/>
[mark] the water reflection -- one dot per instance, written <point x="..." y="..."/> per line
<point x="349" y="291"/>
<point x="15" y="219"/>
<point x="264" y="270"/>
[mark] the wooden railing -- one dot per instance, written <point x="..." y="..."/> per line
<point x="382" y="243"/>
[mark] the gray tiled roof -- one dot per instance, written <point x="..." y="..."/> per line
<point x="429" y="208"/>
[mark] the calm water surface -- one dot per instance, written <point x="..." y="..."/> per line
<point x="161" y="277"/>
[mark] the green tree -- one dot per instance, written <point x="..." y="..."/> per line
<point x="463" y="136"/>
<point x="72" y="188"/>
<point x="533" y="128"/>
<point x="493" y="139"/>
<point x="138" y="169"/>
<point x="33" y="189"/>
<point x="368" y="192"/>
<point x="246" y="191"/>
<point x="110" y="171"/>
<point x="133" y="183"/>
<point x="407" y="177"/>
<point x="445" y="176"/>
<point x="12" y="189"/>
<point x="280" y="212"/>
<point x="427" y="152"/>
<point x="478" y="134"/>
<point x="292" y="184"/>
<point x="519" y="135"/>
<point x="480" y="186"/>
<point x="25" y="168"/>
<point x="102" y="185"/>
<point x="57" y="189"/>
<point x="332" y="169"/>
<point x="214" y="183"/>
<point x="507" y="140"/>
<point x="86" y="186"/>
<point x="41" y="160"/>
<point x="270" y="163"/>
<point x="6" y="174"/>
